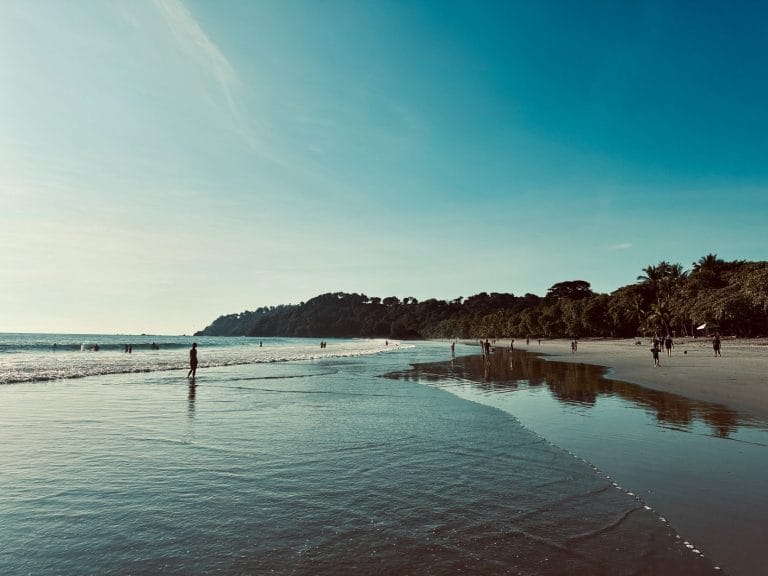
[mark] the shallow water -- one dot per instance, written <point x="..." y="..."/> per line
<point x="701" y="466"/>
<point x="304" y="467"/>
<point x="41" y="357"/>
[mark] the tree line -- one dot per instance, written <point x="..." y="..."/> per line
<point x="665" y="299"/>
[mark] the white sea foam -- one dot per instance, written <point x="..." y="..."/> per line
<point x="35" y="359"/>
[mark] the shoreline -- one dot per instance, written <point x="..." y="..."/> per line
<point x="737" y="380"/>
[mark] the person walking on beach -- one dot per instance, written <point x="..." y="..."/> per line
<point x="716" y="344"/>
<point x="655" y="352"/>
<point x="192" y="360"/>
<point x="668" y="344"/>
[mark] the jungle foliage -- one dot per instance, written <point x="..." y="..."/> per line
<point x="664" y="299"/>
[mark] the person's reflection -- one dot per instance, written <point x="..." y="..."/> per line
<point x="191" y="397"/>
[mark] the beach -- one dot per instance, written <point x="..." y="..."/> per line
<point x="700" y="464"/>
<point x="367" y="457"/>
<point x="291" y="459"/>
<point x="737" y="380"/>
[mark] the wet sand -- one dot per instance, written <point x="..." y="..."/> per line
<point x="699" y="464"/>
<point x="738" y="379"/>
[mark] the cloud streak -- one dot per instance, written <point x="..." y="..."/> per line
<point x="193" y="40"/>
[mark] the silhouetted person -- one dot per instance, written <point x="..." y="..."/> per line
<point x="716" y="343"/>
<point x="668" y="344"/>
<point x="192" y="360"/>
<point x="655" y="352"/>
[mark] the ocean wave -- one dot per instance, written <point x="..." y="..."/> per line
<point x="33" y="362"/>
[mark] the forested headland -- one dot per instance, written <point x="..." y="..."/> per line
<point x="664" y="299"/>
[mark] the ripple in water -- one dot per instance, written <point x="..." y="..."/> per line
<point x="337" y="471"/>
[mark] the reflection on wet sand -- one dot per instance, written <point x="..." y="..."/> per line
<point x="578" y="384"/>
<point x="191" y="398"/>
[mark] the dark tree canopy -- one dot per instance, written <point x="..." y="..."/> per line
<point x="573" y="289"/>
<point x="665" y="299"/>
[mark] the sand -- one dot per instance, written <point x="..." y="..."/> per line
<point x="738" y="379"/>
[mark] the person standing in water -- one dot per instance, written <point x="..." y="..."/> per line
<point x="192" y="360"/>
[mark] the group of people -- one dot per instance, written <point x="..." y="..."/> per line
<point x="485" y="345"/>
<point x="657" y="343"/>
<point x="667" y="343"/>
<point x="129" y="347"/>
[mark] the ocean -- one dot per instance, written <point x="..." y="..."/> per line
<point x="363" y="457"/>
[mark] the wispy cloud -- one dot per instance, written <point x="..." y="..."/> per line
<point x="623" y="246"/>
<point x="193" y="40"/>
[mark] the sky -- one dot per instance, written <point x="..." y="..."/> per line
<point x="164" y="162"/>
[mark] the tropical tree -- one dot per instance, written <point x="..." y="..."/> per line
<point x="707" y="272"/>
<point x="659" y="318"/>
<point x="572" y="289"/>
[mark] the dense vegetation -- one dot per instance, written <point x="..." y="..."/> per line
<point x="665" y="299"/>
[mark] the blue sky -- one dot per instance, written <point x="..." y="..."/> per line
<point x="163" y="162"/>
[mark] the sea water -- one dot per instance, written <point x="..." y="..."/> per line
<point x="287" y="458"/>
<point x="700" y="466"/>
<point x="37" y="357"/>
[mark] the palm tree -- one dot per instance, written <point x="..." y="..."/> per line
<point x="660" y="316"/>
<point x="636" y="312"/>
<point x="663" y="284"/>
<point x="672" y="282"/>
<point x="652" y="276"/>
<point x="657" y="278"/>
<point x="710" y="263"/>
<point x="707" y="271"/>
